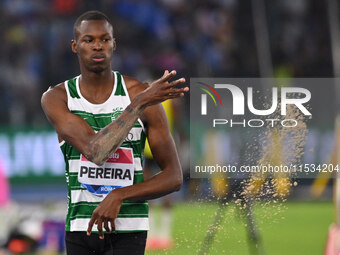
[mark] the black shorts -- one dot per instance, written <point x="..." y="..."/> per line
<point x="121" y="243"/>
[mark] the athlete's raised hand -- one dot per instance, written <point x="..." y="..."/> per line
<point x="162" y="89"/>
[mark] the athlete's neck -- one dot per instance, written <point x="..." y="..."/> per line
<point x="97" y="80"/>
<point x="96" y="87"/>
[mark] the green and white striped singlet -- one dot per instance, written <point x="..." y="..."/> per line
<point x="133" y="216"/>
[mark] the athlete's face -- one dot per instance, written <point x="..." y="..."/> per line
<point x="94" y="44"/>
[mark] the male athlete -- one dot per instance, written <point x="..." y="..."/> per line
<point x="102" y="119"/>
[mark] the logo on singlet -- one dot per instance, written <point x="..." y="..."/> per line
<point x="116" y="112"/>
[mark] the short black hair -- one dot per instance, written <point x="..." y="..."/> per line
<point x="90" y="15"/>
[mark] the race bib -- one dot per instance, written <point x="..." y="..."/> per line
<point x="116" y="172"/>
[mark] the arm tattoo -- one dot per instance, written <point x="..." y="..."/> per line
<point x="120" y="122"/>
<point x="105" y="131"/>
<point x="129" y="109"/>
<point x="112" y="136"/>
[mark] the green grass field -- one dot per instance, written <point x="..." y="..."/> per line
<point x="287" y="228"/>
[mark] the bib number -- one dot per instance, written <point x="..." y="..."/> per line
<point x="116" y="172"/>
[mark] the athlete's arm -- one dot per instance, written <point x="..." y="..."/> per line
<point x="167" y="181"/>
<point x="97" y="147"/>
<point x="165" y="154"/>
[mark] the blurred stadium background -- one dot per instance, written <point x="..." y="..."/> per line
<point x="198" y="39"/>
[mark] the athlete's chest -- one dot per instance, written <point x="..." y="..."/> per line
<point x="98" y="120"/>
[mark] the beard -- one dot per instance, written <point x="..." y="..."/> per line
<point x="96" y="69"/>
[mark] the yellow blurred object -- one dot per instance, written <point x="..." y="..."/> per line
<point x="274" y="156"/>
<point x="319" y="184"/>
<point x="282" y="186"/>
<point x="254" y="186"/>
<point x="16" y="35"/>
<point x="220" y="187"/>
<point x="167" y="105"/>
<point x="147" y="150"/>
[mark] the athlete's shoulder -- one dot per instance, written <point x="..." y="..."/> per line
<point x="54" y="93"/>
<point x="132" y="83"/>
<point x="134" y="86"/>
